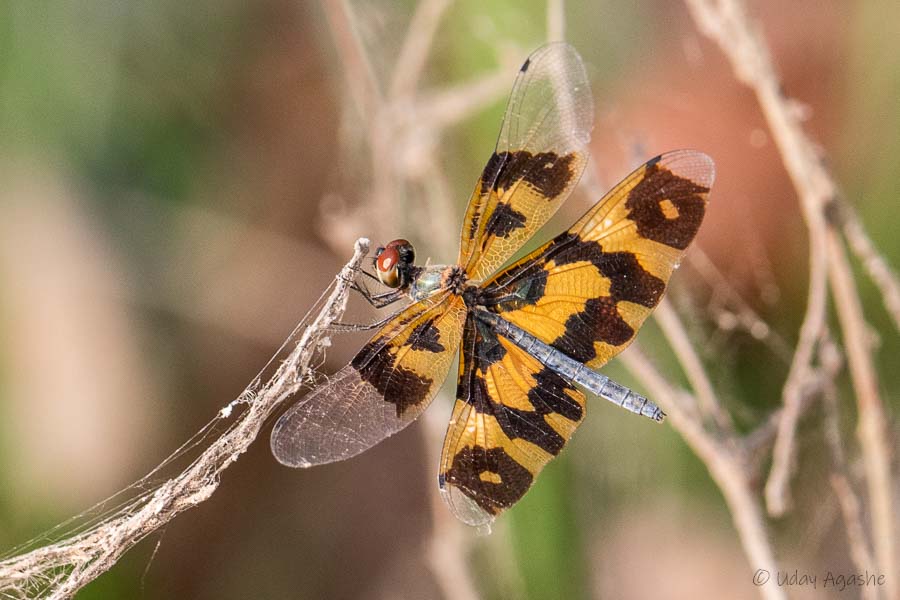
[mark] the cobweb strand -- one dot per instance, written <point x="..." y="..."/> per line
<point x="78" y="550"/>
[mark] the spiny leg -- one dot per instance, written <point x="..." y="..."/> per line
<point x="378" y="300"/>
<point x="338" y="326"/>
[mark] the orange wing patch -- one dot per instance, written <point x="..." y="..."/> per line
<point x="588" y="291"/>
<point x="511" y="417"/>
<point x="526" y="191"/>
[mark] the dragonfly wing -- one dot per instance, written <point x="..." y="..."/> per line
<point x="540" y="155"/>
<point x="383" y="389"/>
<point x="588" y="291"/>
<point x="511" y="417"/>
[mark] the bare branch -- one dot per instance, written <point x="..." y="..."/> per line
<point x="417" y="46"/>
<point x="856" y="536"/>
<point x="847" y="499"/>
<point x="872" y="429"/>
<point x="800" y="377"/>
<point x="357" y="68"/>
<point x="875" y="265"/>
<point x="726" y="23"/>
<point x="745" y="315"/>
<point x="677" y="336"/>
<point x="556" y="20"/>
<point x="724" y="461"/>
<point x="444" y="108"/>
<point x="59" y="570"/>
<point x="820" y="383"/>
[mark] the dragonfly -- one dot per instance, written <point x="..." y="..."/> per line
<point x="530" y="336"/>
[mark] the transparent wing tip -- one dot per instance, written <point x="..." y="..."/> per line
<point x="284" y="445"/>
<point x="464" y="508"/>
<point x="693" y="164"/>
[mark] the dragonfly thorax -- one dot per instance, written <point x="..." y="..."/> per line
<point x="430" y="280"/>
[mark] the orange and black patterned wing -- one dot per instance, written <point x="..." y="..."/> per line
<point x="540" y="155"/>
<point x="383" y="389"/>
<point x="512" y="416"/>
<point x="588" y="291"/>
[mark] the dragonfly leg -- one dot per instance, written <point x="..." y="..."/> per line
<point x="378" y="300"/>
<point x="338" y="326"/>
<point x="369" y="275"/>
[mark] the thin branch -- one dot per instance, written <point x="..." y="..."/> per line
<point x="675" y="333"/>
<point x="875" y="265"/>
<point x="59" y="570"/>
<point x="725" y="465"/>
<point x="856" y="535"/>
<point x="872" y="428"/>
<point x="821" y="383"/>
<point x="801" y="374"/>
<point x="847" y="499"/>
<point x="444" y="108"/>
<point x="417" y="46"/>
<point x="726" y="23"/>
<point x="556" y="20"/>
<point x="777" y="491"/>
<point x="746" y="316"/>
<point x="358" y="70"/>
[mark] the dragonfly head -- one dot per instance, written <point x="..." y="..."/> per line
<point x="394" y="263"/>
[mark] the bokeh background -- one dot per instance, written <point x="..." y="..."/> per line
<point x="180" y="181"/>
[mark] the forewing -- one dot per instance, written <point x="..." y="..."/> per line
<point x="512" y="416"/>
<point x="540" y="155"/>
<point x="587" y="291"/>
<point x="383" y="389"/>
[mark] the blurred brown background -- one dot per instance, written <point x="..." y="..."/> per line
<point x="181" y="181"/>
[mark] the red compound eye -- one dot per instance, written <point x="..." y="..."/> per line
<point x="388" y="259"/>
<point x="394" y="262"/>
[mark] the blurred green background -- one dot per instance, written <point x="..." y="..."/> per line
<point x="181" y="180"/>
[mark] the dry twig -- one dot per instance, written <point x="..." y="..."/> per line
<point x="678" y="339"/>
<point x="739" y="312"/>
<point x="876" y="266"/>
<point x="726" y="23"/>
<point x="723" y="458"/>
<point x="847" y="499"/>
<point x="60" y="569"/>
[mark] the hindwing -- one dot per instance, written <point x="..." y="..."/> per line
<point x="511" y="417"/>
<point x="383" y="389"/>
